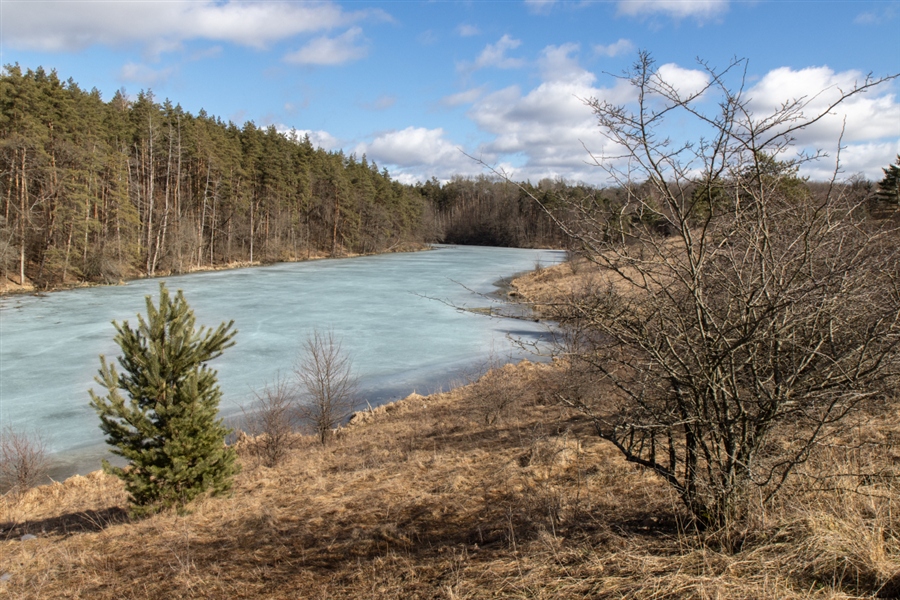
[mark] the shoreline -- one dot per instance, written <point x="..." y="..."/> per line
<point x="86" y="459"/>
<point x="356" y="420"/>
<point x="10" y="288"/>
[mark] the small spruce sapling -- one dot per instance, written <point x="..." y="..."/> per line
<point x="161" y="412"/>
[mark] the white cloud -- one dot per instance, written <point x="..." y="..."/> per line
<point x="622" y="46"/>
<point x="211" y="52"/>
<point x="465" y="97"/>
<point x="540" y="7"/>
<point x="319" y="139"/>
<point x="867" y="18"/>
<point x="540" y="121"/>
<point x="417" y="154"/>
<point x="494" y="55"/>
<point x="380" y="103"/>
<point x="144" y="75"/>
<point x="866" y="158"/>
<point x="411" y="146"/>
<point x="61" y="25"/>
<point x="685" y="82"/>
<point x="549" y="130"/>
<point x="330" y="50"/>
<point x="557" y="64"/>
<point x="865" y="117"/>
<point x="155" y="48"/>
<point x="466" y="30"/>
<point x="886" y="14"/>
<point x="428" y="38"/>
<point x="702" y="10"/>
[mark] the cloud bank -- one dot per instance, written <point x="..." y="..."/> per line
<point x="548" y="131"/>
<point x="66" y="26"/>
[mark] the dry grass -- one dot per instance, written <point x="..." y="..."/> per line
<point x="551" y="288"/>
<point x="424" y="499"/>
<point x="548" y="285"/>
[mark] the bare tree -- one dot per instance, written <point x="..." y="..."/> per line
<point x="738" y="317"/>
<point x="23" y="460"/>
<point x="272" y="422"/>
<point x="327" y="382"/>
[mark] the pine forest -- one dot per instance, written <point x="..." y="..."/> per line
<point x="100" y="191"/>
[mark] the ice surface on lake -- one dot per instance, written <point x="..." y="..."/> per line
<point x="395" y="314"/>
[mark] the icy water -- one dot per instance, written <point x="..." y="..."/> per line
<point x="395" y="314"/>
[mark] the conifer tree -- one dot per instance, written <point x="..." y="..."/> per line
<point x="889" y="187"/>
<point x="161" y="413"/>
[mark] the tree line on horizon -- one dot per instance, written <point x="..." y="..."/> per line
<point x="100" y="191"/>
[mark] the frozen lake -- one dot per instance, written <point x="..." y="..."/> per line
<point x="395" y="314"/>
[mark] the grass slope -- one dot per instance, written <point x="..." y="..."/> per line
<point x="490" y="490"/>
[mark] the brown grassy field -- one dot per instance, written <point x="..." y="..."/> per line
<point x="488" y="491"/>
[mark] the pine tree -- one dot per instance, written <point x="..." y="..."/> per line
<point x="889" y="187"/>
<point x="161" y="414"/>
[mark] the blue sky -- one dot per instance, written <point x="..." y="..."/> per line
<point x="415" y="85"/>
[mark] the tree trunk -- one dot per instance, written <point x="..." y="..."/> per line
<point x="23" y="193"/>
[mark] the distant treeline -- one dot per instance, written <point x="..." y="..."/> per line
<point x="490" y="212"/>
<point x="98" y="191"/>
<point x="94" y="190"/>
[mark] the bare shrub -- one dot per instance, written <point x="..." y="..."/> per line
<point x="327" y="382"/>
<point x="23" y="460"/>
<point x="272" y="422"/>
<point x="742" y="317"/>
<point x="102" y="265"/>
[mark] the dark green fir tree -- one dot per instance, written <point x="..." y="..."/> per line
<point x="161" y="412"/>
<point x="889" y="187"/>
